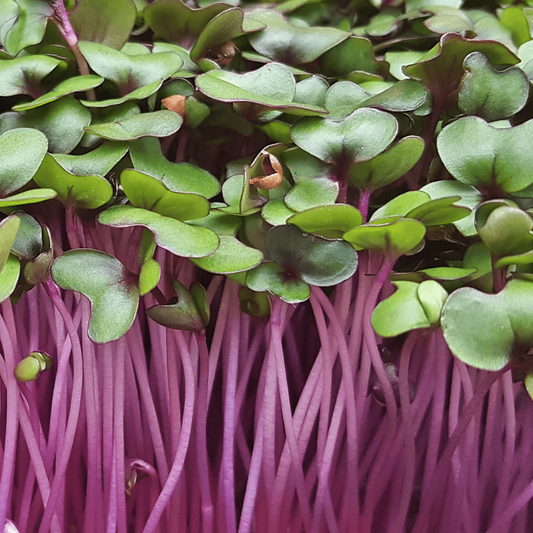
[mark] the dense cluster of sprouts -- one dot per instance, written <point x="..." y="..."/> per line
<point x="266" y="267"/>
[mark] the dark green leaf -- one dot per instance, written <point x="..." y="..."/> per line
<point x="110" y="287"/>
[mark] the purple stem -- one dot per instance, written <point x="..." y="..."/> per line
<point x="75" y="403"/>
<point x="228" y="438"/>
<point x="66" y="29"/>
<point x="277" y="318"/>
<point x="8" y="462"/>
<point x="440" y="475"/>
<point x="201" y="435"/>
<point x="179" y="459"/>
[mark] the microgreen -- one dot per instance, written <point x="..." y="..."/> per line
<point x="265" y="266"/>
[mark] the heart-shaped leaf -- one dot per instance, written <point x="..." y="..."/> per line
<point x="442" y="68"/>
<point x="393" y="238"/>
<point x="23" y="75"/>
<point x="129" y="72"/>
<point x="387" y="167"/>
<point x="293" y="45"/>
<point x="100" y="21"/>
<point x="360" y="136"/>
<point x="273" y="278"/>
<point x="110" y="287"/>
<point x="313" y="259"/>
<point x="181" y="312"/>
<point x="330" y="221"/>
<point x="62" y="121"/>
<point x="147" y="157"/>
<point x="72" y="85"/>
<point x="23" y="23"/>
<point x="149" y="193"/>
<point x="491" y="94"/>
<point x="271" y="86"/>
<point x="501" y="160"/>
<point x="487" y="330"/>
<point x="86" y="192"/>
<point x="312" y="184"/>
<point x="22" y="150"/>
<point x="172" y="235"/>
<point x="400" y="312"/>
<point x="156" y="124"/>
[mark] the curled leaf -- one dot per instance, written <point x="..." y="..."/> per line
<point x="272" y="180"/>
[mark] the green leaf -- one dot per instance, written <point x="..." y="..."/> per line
<point x="359" y="137"/>
<point x="387" y="167"/>
<point x="72" y="85"/>
<point x="33" y="196"/>
<point x="86" y="192"/>
<point x="177" y="237"/>
<point x="110" y="287"/>
<point x="480" y="155"/>
<point x="507" y="231"/>
<point x="400" y="312"/>
<point x="401" y="205"/>
<point x="138" y="94"/>
<point x="149" y="193"/>
<point x="129" y="72"/>
<point x="156" y="124"/>
<point x="21" y="152"/>
<point x="311" y="90"/>
<point x="330" y="221"/>
<point x="231" y="256"/>
<point x="515" y="20"/>
<point x="100" y="21"/>
<point x="350" y="58"/>
<point x="312" y="184"/>
<point x="315" y="260"/>
<point x="8" y="232"/>
<point x="62" y="121"/>
<point x="292" y="45"/>
<point x="147" y="157"/>
<point x="272" y="278"/>
<point x="439" y="212"/>
<point x="9" y="277"/>
<point x="28" y="243"/>
<point x="271" y="86"/>
<point x="487" y="330"/>
<point x="276" y="213"/>
<point x="149" y="276"/>
<point x="441" y="72"/>
<point x="23" y="75"/>
<point x="491" y="94"/>
<point x="222" y="28"/>
<point x="175" y="22"/>
<point x="393" y="238"/>
<point x="343" y="98"/>
<point x="470" y="198"/>
<point x="99" y="161"/>
<point x="22" y="23"/>
<point x="181" y="312"/>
